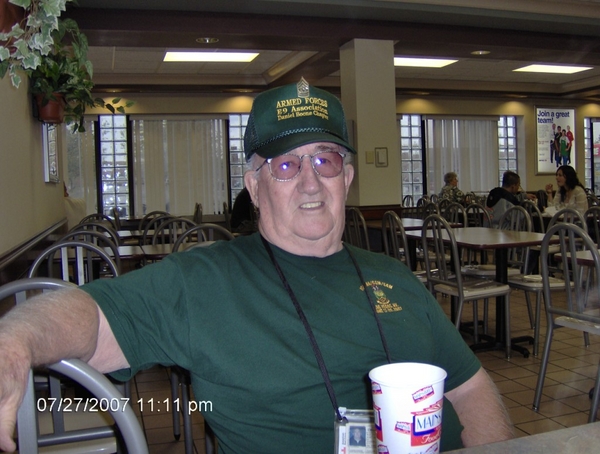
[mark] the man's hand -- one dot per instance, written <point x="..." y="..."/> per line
<point x="14" y="372"/>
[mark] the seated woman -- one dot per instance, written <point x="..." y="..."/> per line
<point x="450" y="191"/>
<point x="570" y="193"/>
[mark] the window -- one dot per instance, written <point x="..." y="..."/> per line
<point x="411" y="149"/>
<point x="507" y="146"/>
<point x="114" y="165"/>
<point x="237" y="160"/>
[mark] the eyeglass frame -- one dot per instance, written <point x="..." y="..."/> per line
<point x="312" y="163"/>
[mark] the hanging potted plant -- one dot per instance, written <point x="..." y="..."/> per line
<point x="64" y="79"/>
<point x="26" y="28"/>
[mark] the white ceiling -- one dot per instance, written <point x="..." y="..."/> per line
<point x="301" y="38"/>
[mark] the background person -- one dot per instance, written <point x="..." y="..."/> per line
<point x="509" y="194"/>
<point x="450" y="190"/>
<point x="570" y="192"/>
<point x="230" y="312"/>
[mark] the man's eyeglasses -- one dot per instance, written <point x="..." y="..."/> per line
<point x="286" y="167"/>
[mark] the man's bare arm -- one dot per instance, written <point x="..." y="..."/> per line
<point x="477" y="402"/>
<point x="57" y="325"/>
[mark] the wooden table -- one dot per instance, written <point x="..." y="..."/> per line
<point x="483" y="238"/>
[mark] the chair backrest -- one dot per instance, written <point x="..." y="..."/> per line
<point x="442" y="204"/>
<point x="428" y="208"/>
<point x="153" y="223"/>
<point x="572" y="239"/>
<point x="197" y="217"/>
<point x="592" y="217"/>
<point x="477" y="215"/>
<point x="149" y="216"/>
<point x="227" y="215"/>
<point x="97" y="217"/>
<point x="515" y="218"/>
<point x="99" y="239"/>
<point x="592" y="199"/>
<point x="408" y="201"/>
<point x="101" y="227"/>
<point x="201" y="233"/>
<point x="537" y="220"/>
<point x="394" y="237"/>
<point x="434" y="198"/>
<point x="437" y="238"/>
<point x="568" y="215"/>
<point x="454" y="212"/>
<point x="81" y="373"/>
<point x="77" y="261"/>
<point x="355" y="229"/>
<point x="169" y="230"/>
<point x="116" y="217"/>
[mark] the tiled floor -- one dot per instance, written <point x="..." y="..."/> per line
<point x="565" y="401"/>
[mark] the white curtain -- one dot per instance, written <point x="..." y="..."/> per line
<point x="178" y="162"/>
<point x="464" y="146"/>
<point x="79" y="165"/>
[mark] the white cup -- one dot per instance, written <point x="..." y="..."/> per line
<point x="407" y="403"/>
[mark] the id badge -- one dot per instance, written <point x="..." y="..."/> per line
<point x="355" y="433"/>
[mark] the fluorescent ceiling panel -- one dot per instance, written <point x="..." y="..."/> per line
<point x="422" y="62"/>
<point x="210" y="56"/>
<point x="553" y="69"/>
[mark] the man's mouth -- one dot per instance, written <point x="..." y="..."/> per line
<point x="309" y="205"/>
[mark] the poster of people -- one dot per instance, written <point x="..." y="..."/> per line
<point x="555" y="139"/>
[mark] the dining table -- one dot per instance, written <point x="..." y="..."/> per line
<point x="500" y="241"/>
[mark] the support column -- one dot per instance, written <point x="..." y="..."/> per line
<point x="368" y="94"/>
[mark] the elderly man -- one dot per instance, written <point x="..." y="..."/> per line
<point x="264" y="322"/>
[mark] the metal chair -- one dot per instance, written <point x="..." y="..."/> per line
<point x="103" y="228"/>
<point x="454" y="212"/>
<point x="97" y="238"/>
<point x="227" y="215"/>
<point x="97" y="217"/>
<point x="537" y="219"/>
<point x="151" y="225"/>
<point x="477" y="215"/>
<point x="355" y="230"/>
<point x="149" y="216"/>
<point x="395" y="241"/>
<point x="116" y="217"/>
<point x="201" y="233"/>
<point x="170" y="229"/>
<point x="79" y="262"/>
<point x="592" y="218"/>
<point x="103" y="437"/>
<point x="574" y="314"/>
<point x="449" y="282"/>
<point x="197" y="216"/>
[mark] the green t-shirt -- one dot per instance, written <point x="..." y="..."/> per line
<point x="222" y="313"/>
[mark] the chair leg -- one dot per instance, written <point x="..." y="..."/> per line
<point x="187" y="417"/>
<point x="536" y="329"/>
<point x="595" y="398"/>
<point x="529" y="310"/>
<point x="485" y="315"/>
<point x="543" y="366"/>
<point x="507" y="315"/>
<point x="475" y="322"/>
<point x="175" y="396"/>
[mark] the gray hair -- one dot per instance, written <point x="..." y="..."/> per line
<point x="449" y="177"/>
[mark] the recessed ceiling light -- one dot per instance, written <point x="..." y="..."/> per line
<point x="552" y="69"/>
<point x="422" y="62"/>
<point x="480" y="52"/>
<point x="210" y="56"/>
<point x="207" y="40"/>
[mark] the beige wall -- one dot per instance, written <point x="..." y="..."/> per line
<point x="27" y="205"/>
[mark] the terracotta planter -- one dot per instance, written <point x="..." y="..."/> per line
<point x="53" y="111"/>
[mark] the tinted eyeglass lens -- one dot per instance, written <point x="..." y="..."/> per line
<point x="287" y="166"/>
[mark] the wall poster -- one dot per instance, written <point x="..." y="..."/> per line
<point x="555" y="139"/>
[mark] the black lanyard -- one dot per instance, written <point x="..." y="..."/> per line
<point x="311" y="336"/>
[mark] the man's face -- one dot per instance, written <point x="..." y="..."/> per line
<point x="305" y="215"/>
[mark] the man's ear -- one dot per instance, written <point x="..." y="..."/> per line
<point x="348" y="176"/>
<point x="251" y="183"/>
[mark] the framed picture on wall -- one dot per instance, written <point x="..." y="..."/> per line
<point x="50" y="153"/>
<point x="555" y="139"/>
